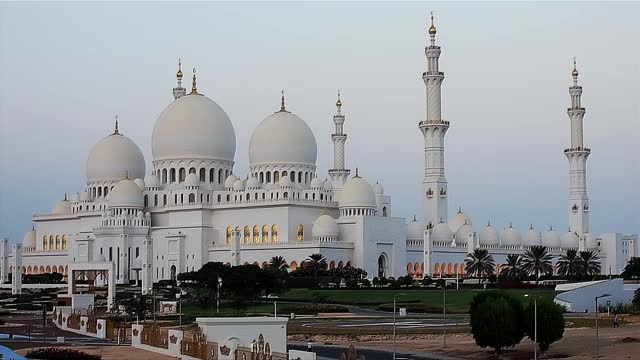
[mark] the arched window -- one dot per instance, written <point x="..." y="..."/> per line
<point x="48" y="269"/>
<point x="219" y="198"/>
<point x="284" y="173"/>
<point x="229" y="235"/>
<point x="192" y="170"/>
<point x="409" y="269"/>
<point x="261" y="177"/>
<point x="228" y="197"/>
<point x="44" y="243"/>
<point x="203" y="175"/>
<point x="106" y="191"/>
<point x="300" y="232"/>
<point x="164" y="200"/>
<point x="285" y="195"/>
<point x="146" y="200"/>
<point x="299" y="176"/>
<point x="226" y="174"/>
<point x="155" y="200"/>
<point x="276" y="177"/>
<point x="274" y="233"/>
<point x="164" y="176"/>
<point x="51" y="242"/>
<point x="306" y="177"/>
<point x="239" y="230"/>
<point x="41" y="269"/>
<point x="247" y="235"/>
<point x="54" y="269"/>
<point x="64" y="242"/>
<point x="183" y="174"/>
<point x="220" y="175"/>
<point x="256" y="234"/>
<point x="137" y="252"/>
<point x="247" y="197"/>
<point x="212" y="175"/>
<point x="99" y="191"/>
<point x="192" y="198"/>
<point x="181" y="198"/>
<point x="265" y="234"/>
<point x="268" y="176"/>
<point x="173" y="272"/>
<point x="264" y="196"/>
<point x="173" y="175"/>
<point x="384" y="211"/>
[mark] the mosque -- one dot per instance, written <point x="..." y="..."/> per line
<point x="190" y="207"/>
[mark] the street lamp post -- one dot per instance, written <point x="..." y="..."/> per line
<point x="394" y="323"/>
<point x="597" y="343"/>
<point x="153" y="295"/>
<point x="535" y="327"/>
<point x="179" y="297"/>
<point x="444" y="315"/>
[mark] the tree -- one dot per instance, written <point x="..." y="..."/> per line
<point x="550" y="323"/>
<point x="632" y="269"/>
<point x="569" y="264"/>
<point x="278" y="263"/>
<point x="479" y="263"/>
<point x="589" y="263"/>
<point x="636" y="298"/>
<point x="316" y="262"/>
<point x="137" y="306"/>
<point x="512" y="270"/>
<point x="496" y="320"/>
<point x="537" y="260"/>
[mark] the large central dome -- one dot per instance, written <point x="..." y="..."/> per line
<point x="283" y="138"/>
<point x="193" y="127"/>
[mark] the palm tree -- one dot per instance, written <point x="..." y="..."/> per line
<point x="569" y="264"/>
<point x="317" y="262"/>
<point x="512" y="270"/>
<point x="589" y="263"/>
<point x="278" y="263"/>
<point x="479" y="263"/>
<point x="537" y="260"/>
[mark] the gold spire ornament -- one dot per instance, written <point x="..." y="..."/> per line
<point x="282" y="107"/>
<point x="575" y="69"/>
<point x="339" y="102"/>
<point x="432" y="28"/>
<point x="194" y="88"/>
<point x="115" y="129"/>
<point x="179" y="73"/>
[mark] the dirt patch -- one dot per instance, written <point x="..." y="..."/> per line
<point x="629" y="339"/>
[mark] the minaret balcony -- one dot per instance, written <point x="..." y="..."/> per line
<point x="432" y="73"/>
<point x="576" y="109"/>
<point x="433" y="122"/>
<point x="578" y="149"/>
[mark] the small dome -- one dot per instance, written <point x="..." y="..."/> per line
<point x="113" y="157"/>
<point x="324" y="226"/>
<point x="378" y="189"/>
<point x="489" y="236"/>
<point x="442" y="233"/>
<point x="510" y="237"/>
<point x="285" y="181"/>
<point x="193" y="127"/>
<point x="415" y="230"/>
<point x="462" y="235"/>
<point x="140" y="183"/>
<point x="592" y="243"/>
<point x="327" y="185"/>
<point x="551" y="239"/>
<point x="29" y="240"/>
<point x="228" y="184"/>
<point x="283" y="138"/>
<point x="126" y="194"/>
<point x="191" y="180"/>
<point x="316" y="183"/>
<point x="62" y="207"/>
<point x="357" y="192"/>
<point x="569" y="240"/>
<point x="238" y="185"/>
<point x="100" y="258"/>
<point x="253" y="183"/>
<point x="458" y="220"/>
<point x="152" y="181"/>
<point x="532" y="237"/>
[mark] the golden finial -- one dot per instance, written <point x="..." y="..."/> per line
<point x="432" y="28"/>
<point x="339" y="102"/>
<point x="356" y="176"/>
<point x="459" y="209"/>
<point x="179" y="73"/>
<point x="282" y="108"/>
<point x="575" y="69"/>
<point x="126" y="175"/>
<point x="414" y="218"/>
<point x="489" y="223"/>
<point x="115" y="129"/>
<point x="65" y="197"/>
<point x="194" y="88"/>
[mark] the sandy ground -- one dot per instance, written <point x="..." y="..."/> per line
<point x="116" y="352"/>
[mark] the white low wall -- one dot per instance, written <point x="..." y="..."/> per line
<point x="582" y="296"/>
<point x="247" y="329"/>
<point x="66" y="311"/>
<point x="301" y="355"/>
<point x="36" y="286"/>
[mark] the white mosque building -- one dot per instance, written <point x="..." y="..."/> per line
<point x="190" y="208"/>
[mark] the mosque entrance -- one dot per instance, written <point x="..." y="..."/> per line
<point x="382" y="265"/>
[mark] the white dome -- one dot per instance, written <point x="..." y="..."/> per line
<point x="191" y="180"/>
<point x="140" y="183"/>
<point x="193" y="127"/>
<point x="489" y="236"/>
<point x="592" y="243"/>
<point x="441" y="233"/>
<point x="253" y="183"/>
<point x="415" y="230"/>
<point x="569" y="240"/>
<point x="378" y="189"/>
<point x="315" y="183"/>
<point x="510" y="237"/>
<point x="324" y="226"/>
<point x="126" y="194"/>
<point x="327" y="185"/>
<point x="238" y="185"/>
<point x="62" y="207"/>
<point x="551" y="239"/>
<point x="113" y="157"/>
<point x="458" y="220"/>
<point x="283" y="138"/>
<point x="29" y="240"/>
<point x="357" y="192"/>
<point x="462" y="235"/>
<point x="285" y="181"/>
<point x="532" y="237"/>
<point x="151" y="181"/>
<point x="230" y="181"/>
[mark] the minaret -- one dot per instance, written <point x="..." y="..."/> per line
<point x="179" y="91"/>
<point x="434" y="129"/>
<point x="577" y="155"/>
<point x="338" y="174"/>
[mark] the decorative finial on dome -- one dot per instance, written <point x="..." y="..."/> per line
<point x="488" y="223"/>
<point x="65" y="197"/>
<point x="459" y="209"/>
<point x="179" y="73"/>
<point x="414" y="218"/>
<point x="574" y="73"/>
<point x="339" y="102"/>
<point x="356" y="176"/>
<point x="465" y="222"/>
<point x="441" y="221"/>
<point x="530" y="226"/>
<point x="550" y="227"/>
<point x="282" y="107"/>
<point x="33" y="227"/>
<point x="510" y="225"/>
<point x="126" y="175"/>
<point x="194" y="88"/>
<point x="432" y="28"/>
<point x="115" y="129"/>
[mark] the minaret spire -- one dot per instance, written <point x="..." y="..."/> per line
<point x="115" y="128"/>
<point x="194" y="87"/>
<point x="179" y="91"/>
<point x="434" y="129"/>
<point x="282" y="106"/>
<point x="577" y="155"/>
<point x="338" y="174"/>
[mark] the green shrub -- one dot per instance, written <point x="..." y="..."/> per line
<point x="496" y="320"/>
<point x="60" y="354"/>
<point x="551" y="323"/>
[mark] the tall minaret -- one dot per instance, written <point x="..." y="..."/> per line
<point x="577" y="155"/>
<point x="338" y="174"/>
<point x="179" y="91"/>
<point x="434" y="129"/>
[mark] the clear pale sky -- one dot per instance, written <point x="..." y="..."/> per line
<point x="67" y="68"/>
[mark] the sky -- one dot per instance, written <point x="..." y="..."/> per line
<point x="66" y="69"/>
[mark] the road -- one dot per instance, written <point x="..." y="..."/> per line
<point x="333" y="352"/>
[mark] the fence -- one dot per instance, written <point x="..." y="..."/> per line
<point x="73" y="321"/>
<point x="154" y="336"/>
<point x="195" y="344"/>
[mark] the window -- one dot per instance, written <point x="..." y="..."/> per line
<point x="268" y="176"/>
<point x="229" y="235"/>
<point x="192" y="198"/>
<point x="137" y="252"/>
<point x="299" y="176"/>
<point x="44" y="242"/>
<point x="203" y="175"/>
<point x="164" y="176"/>
<point x="183" y="175"/>
<point x="247" y="235"/>
<point x="212" y="175"/>
<point x="146" y="200"/>
<point x="261" y="177"/>
<point x="64" y="242"/>
<point x="274" y="233"/>
<point x="110" y="253"/>
<point x="265" y="234"/>
<point x="276" y="177"/>
<point x="164" y="200"/>
<point x="300" y="232"/>
<point x="155" y="200"/>
<point x="106" y="191"/>
<point x="173" y="175"/>
<point x="50" y="242"/>
<point x="256" y="234"/>
<point x="192" y="170"/>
